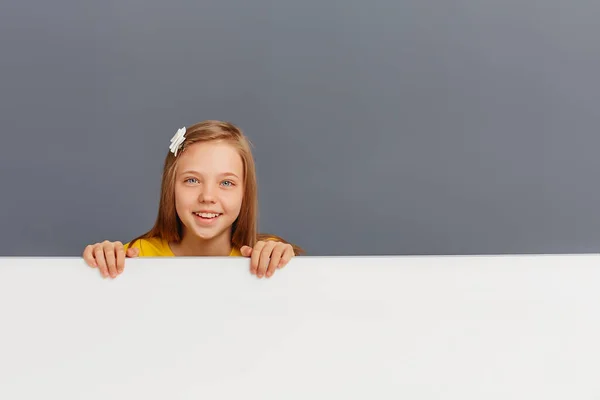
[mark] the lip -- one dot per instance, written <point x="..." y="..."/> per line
<point x="206" y="221"/>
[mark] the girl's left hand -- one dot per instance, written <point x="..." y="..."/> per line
<point x="267" y="256"/>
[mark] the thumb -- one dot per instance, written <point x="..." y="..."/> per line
<point x="132" y="252"/>
<point x="246" y="251"/>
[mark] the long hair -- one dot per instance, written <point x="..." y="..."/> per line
<point x="168" y="225"/>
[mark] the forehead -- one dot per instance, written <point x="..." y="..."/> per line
<point x="214" y="157"/>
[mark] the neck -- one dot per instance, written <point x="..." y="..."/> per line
<point x="193" y="246"/>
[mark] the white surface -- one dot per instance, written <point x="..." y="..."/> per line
<point x="502" y="327"/>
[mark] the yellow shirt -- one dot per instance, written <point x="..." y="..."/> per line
<point x="156" y="247"/>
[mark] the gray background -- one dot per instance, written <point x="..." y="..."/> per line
<point x="380" y="127"/>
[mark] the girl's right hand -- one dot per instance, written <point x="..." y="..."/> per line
<point x="108" y="257"/>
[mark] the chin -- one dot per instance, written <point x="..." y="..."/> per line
<point x="209" y="234"/>
<point x="205" y="236"/>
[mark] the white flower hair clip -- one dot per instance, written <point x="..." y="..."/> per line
<point x="177" y="140"/>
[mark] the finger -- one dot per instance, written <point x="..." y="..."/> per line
<point x="275" y="258"/>
<point x="256" y="256"/>
<point x="265" y="257"/>
<point x="99" y="255"/>
<point x="246" y="251"/>
<point x="287" y="256"/>
<point x="132" y="252"/>
<point x="88" y="256"/>
<point x="120" y="251"/>
<point x="111" y="262"/>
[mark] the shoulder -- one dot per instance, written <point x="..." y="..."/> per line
<point x="267" y="237"/>
<point x="151" y="247"/>
<point x="264" y="237"/>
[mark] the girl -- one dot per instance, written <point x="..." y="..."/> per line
<point x="208" y="206"/>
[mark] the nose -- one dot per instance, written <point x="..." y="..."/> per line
<point x="207" y="194"/>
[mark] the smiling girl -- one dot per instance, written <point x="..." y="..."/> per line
<point x="208" y="206"/>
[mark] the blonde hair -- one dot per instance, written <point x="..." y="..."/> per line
<point x="168" y="225"/>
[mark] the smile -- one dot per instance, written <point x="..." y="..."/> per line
<point x="207" y="215"/>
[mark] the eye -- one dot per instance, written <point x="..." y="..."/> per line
<point x="191" y="180"/>
<point x="227" y="183"/>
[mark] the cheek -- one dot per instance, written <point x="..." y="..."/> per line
<point x="233" y="202"/>
<point x="182" y="200"/>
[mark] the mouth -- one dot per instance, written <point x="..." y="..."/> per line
<point x="207" y="216"/>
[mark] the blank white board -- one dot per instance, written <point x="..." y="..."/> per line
<point x="504" y="327"/>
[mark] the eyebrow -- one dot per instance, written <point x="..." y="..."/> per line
<point x="190" y="171"/>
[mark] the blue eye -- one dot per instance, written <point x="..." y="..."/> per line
<point x="191" y="179"/>
<point x="230" y="183"/>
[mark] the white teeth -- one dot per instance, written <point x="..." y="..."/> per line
<point x="207" y="215"/>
